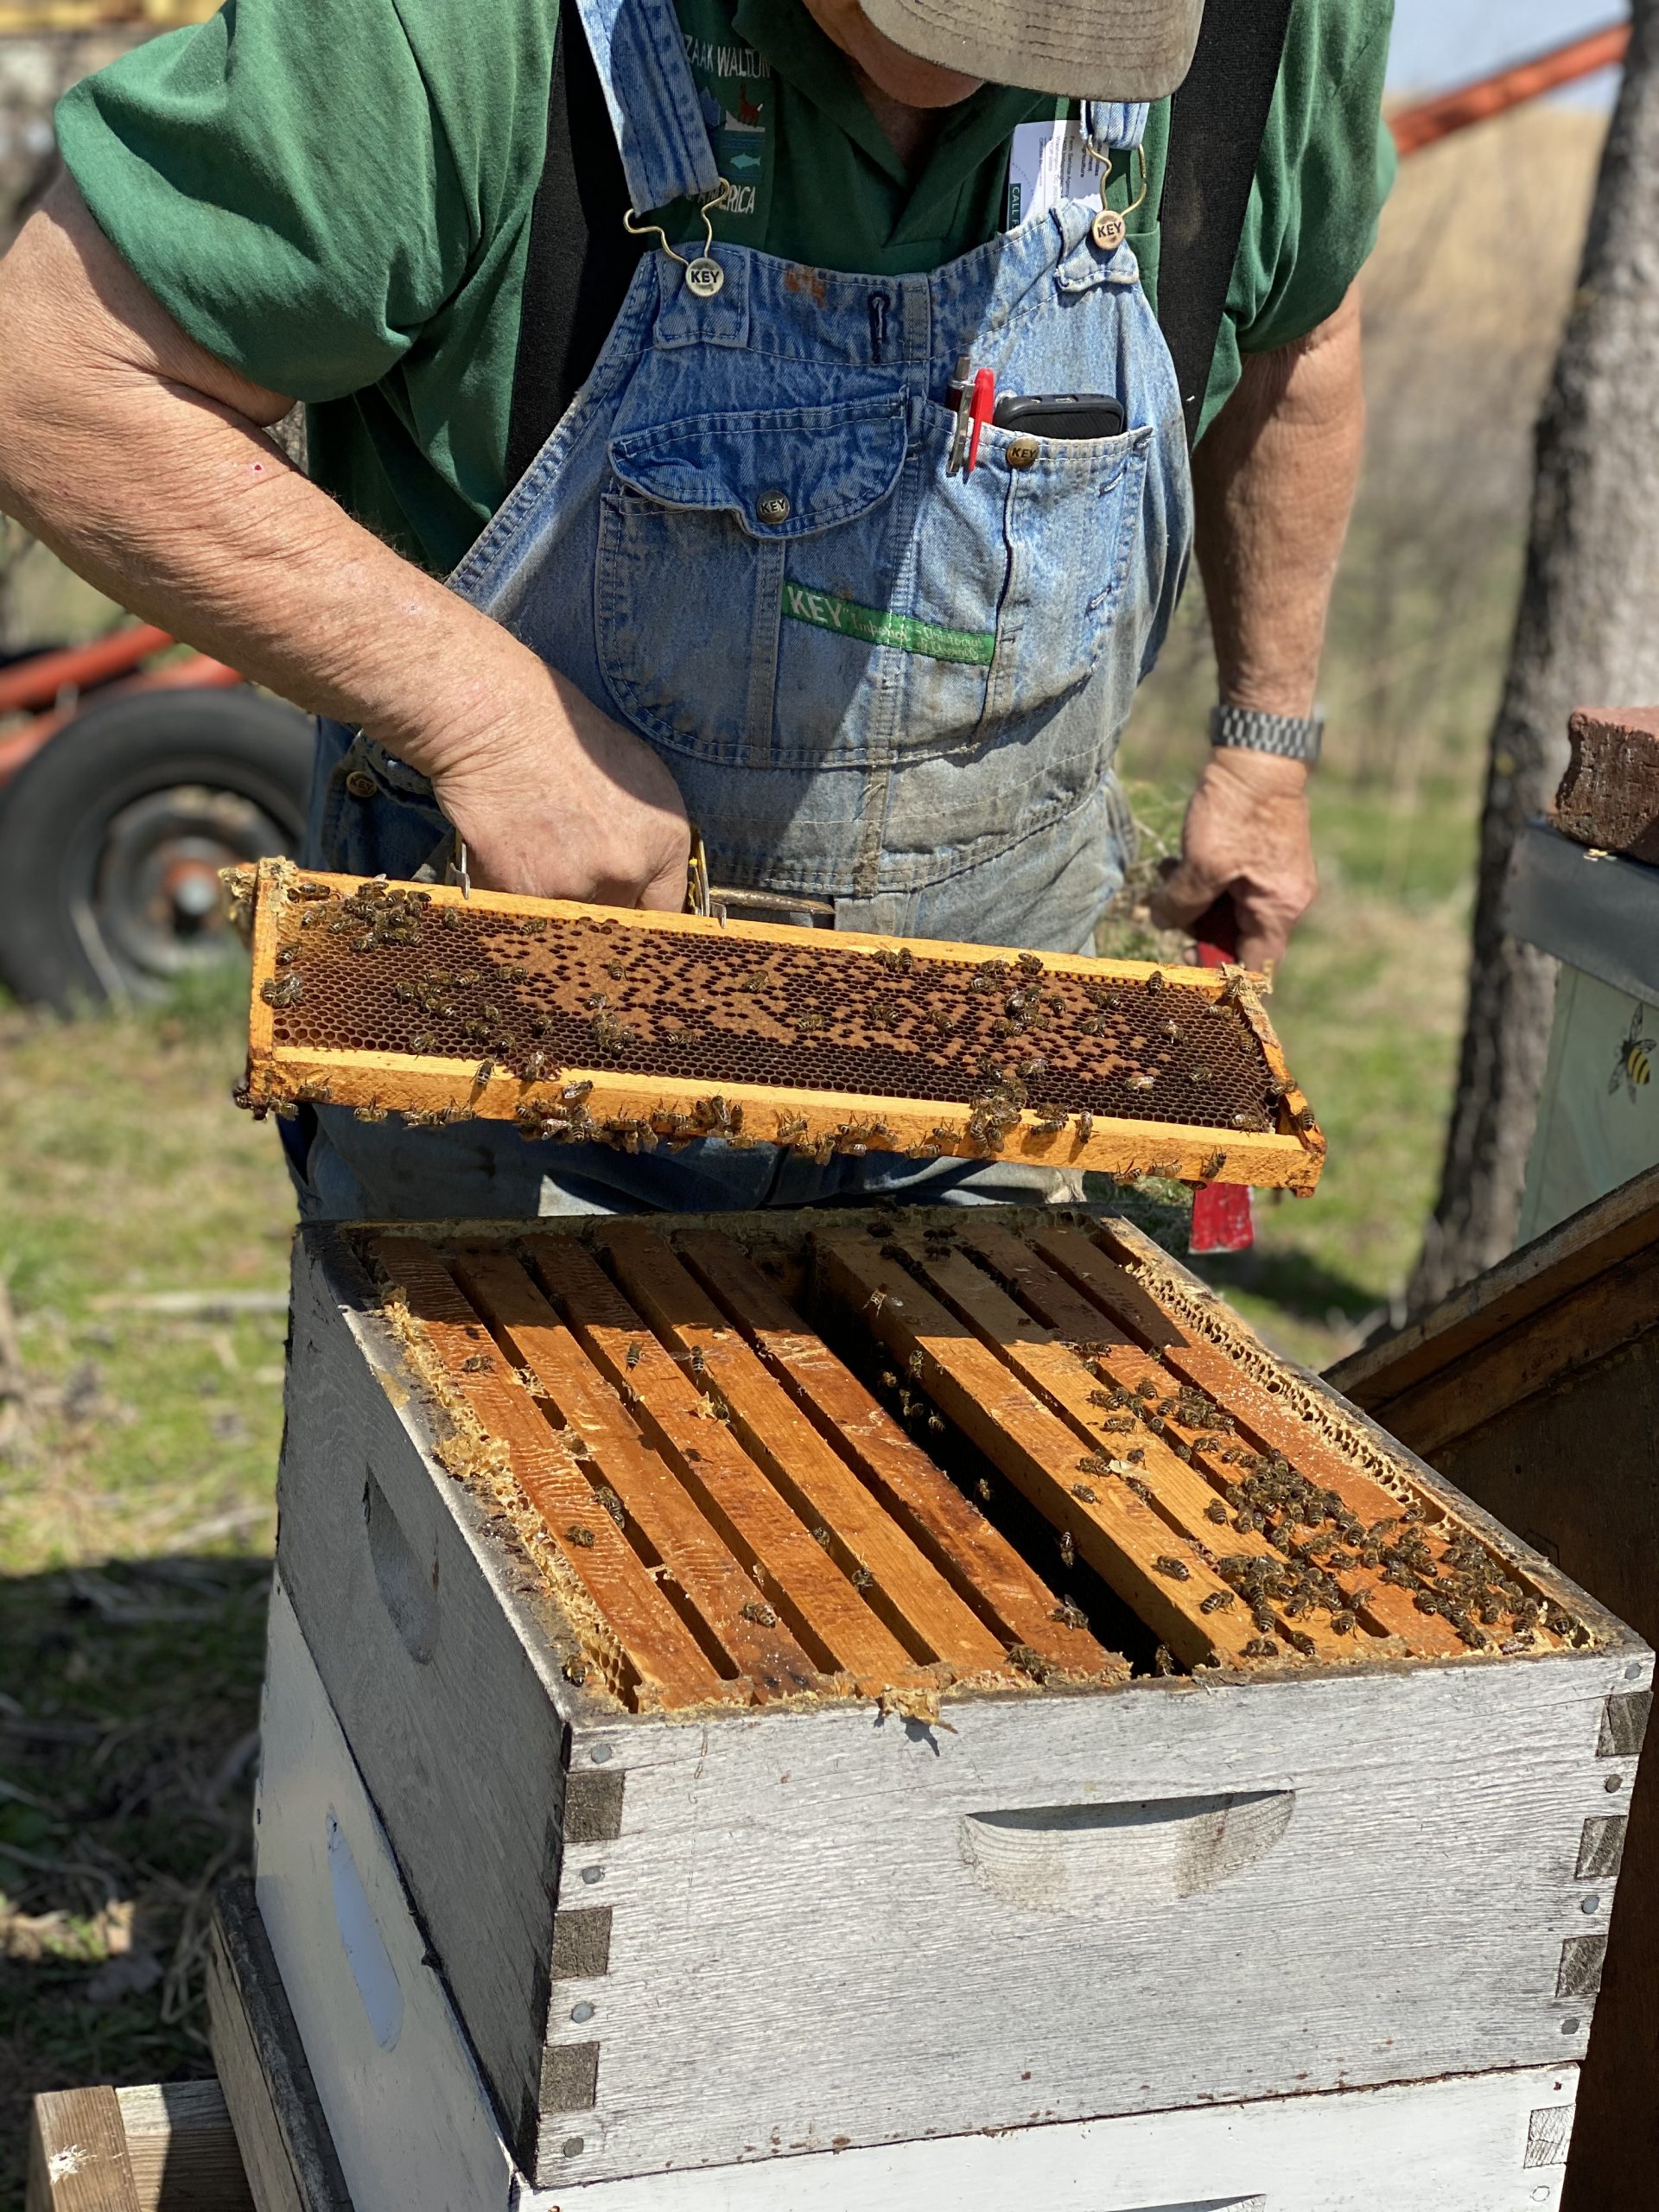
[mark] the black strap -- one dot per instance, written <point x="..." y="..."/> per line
<point x="1217" y="125"/>
<point x="581" y="261"/>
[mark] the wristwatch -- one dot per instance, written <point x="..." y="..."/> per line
<point x="1293" y="737"/>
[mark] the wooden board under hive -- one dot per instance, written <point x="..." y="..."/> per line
<point x="639" y="1029"/>
<point x="839" y="1678"/>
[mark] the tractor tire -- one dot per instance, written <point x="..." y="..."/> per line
<point x="111" y="839"/>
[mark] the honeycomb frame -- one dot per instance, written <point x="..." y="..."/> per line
<point x="1073" y="1046"/>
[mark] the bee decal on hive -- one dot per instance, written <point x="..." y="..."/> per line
<point x="1634" y="1067"/>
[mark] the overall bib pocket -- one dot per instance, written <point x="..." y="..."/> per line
<point x="1070" y="523"/>
<point x="697" y="539"/>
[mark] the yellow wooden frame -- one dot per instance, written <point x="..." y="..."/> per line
<point x="1291" y="1157"/>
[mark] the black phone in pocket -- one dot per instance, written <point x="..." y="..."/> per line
<point x="1062" y="415"/>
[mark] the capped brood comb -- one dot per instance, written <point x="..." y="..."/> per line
<point x="639" y="1029"/>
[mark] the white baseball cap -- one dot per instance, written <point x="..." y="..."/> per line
<point x="1094" y="49"/>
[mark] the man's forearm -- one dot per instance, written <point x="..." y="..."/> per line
<point x="168" y="495"/>
<point x="143" y="462"/>
<point x="1275" y="481"/>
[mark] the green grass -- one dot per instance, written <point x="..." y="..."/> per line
<point x="138" y="1456"/>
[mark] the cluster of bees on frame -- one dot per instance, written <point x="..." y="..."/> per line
<point x="1328" y="1558"/>
<point x="468" y="1003"/>
<point x="1326" y="1549"/>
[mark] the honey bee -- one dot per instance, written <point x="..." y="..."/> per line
<point x="581" y="1537"/>
<point x="758" y="1610"/>
<point x="1216" y="1602"/>
<point x="1176" y="1569"/>
<point x="1163" y="1660"/>
<point x="374" y="1111"/>
<point x="792" y="1126"/>
<point x="983" y="1489"/>
<point x="1083" y="1490"/>
<point x="1029" y="1662"/>
<point x="1140" y="1081"/>
<point x="1155" y="981"/>
<point x="574" y="1671"/>
<point x="1068" y="1549"/>
<point x="1260" y="1647"/>
<point x="1070" y="1616"/>
<point x="316" y="1091"/>
<point x="574" y="1093"/>
<point x="484" y="1071"/>
<point x="916" y="1365"/>
<point x="823" y="1536"/>
<point x="699" y="1362"/>
<point x="282" y="991"/>
<point x="1085" y="1127"/>
<point x="633" y="1358"/>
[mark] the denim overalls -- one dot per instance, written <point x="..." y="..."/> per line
<point x="875" y="683"/>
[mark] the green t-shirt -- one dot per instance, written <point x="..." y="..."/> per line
<point x="334" y="196"/>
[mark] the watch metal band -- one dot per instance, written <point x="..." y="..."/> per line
<point x="1294" y="737"/>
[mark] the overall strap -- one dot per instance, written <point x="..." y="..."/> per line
<point x="639" y="50"/>
<point x="1216" y="126"/>
<point x="624" y="131"/>
<point x="1114" y="126"/>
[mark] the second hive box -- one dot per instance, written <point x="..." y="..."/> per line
<point x="854" y="1678"/>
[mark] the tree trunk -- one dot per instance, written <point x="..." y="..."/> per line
<point x="1588" y="634"/>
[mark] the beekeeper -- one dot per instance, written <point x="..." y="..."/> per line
<point x="792" y="416"/>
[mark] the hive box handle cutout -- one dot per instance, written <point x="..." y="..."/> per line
<point x="1085" y="1859"/>
<point x="361" y="1940"/>
<point x="408" y="1590"/>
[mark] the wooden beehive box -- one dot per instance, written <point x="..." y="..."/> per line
<point x="635" y="1030"/>
<point x="845" y="1679"/>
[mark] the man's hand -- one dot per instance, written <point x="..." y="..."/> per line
<point x="560" y="802"/>
<point x="1247" y="835"/>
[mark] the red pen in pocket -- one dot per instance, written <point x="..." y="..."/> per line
<point x="981" y="409"/>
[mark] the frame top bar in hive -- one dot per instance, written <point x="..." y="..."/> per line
<point x="638" y="1029"/>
